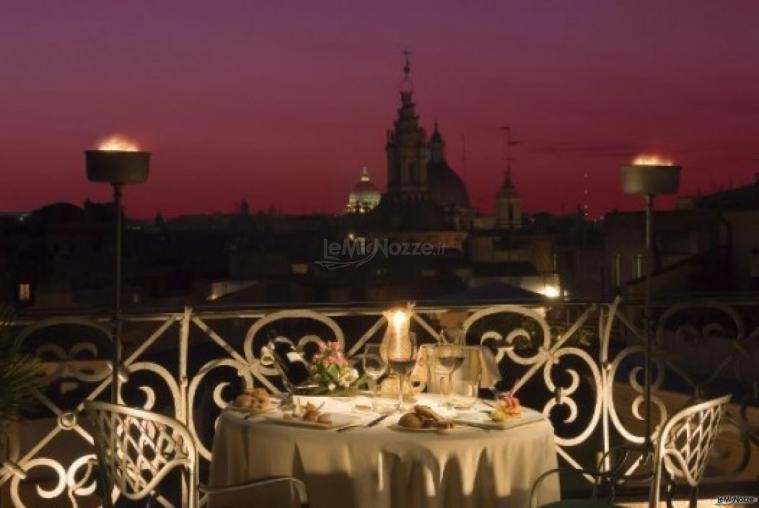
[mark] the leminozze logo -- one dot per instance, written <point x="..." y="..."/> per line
<point x="731" y="500"/>
<point x="353" y="252"/>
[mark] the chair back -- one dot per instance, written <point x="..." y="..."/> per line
<point x="136" y="449"/>
<point x="686" y="441"/>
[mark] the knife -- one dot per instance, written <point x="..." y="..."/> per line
<point x="372" y="423"/>
<point x="376" y="420"/>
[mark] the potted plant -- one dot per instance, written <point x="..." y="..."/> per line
<point x="20" y="375"/>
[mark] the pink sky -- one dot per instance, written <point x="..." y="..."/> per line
<point x="283" y="102"/>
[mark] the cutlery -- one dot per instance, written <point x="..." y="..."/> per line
<point x="372" y="423"/>
<point x="376" y="420"/>
<point x="482" y="426"/>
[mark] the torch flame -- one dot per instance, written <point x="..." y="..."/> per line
<point x="651" y="160"/>
<point x="118" y="143"/>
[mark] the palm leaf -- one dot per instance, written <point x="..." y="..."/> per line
<point x="20" y="374"/>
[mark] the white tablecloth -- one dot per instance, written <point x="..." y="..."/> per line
<point x="382" y="467"/>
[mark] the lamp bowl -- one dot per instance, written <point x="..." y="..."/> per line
<point x="117" y="167"/>
<point x="650" y="179"/>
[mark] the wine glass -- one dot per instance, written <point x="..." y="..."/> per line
<point x="402" y="360"/>
<point x="375" y="366"/>
<point x="449" y="359"/>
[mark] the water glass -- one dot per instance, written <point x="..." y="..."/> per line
<point x="448" y="359"/>
<point x="464" y="393"/>
<point x="375" y="366"/>
<point x="402" y="361"/>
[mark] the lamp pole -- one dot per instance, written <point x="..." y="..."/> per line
<point x="648" y="313"/>
<point x="648" y="179"/>
<point x="117" y="295"/>
<point x="118" y="166"/>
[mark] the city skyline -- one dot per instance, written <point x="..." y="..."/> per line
<point x="221" y="99"/>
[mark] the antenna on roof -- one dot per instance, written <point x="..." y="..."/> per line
<point x="507" y="144"/>
<point x="463" y="156"/>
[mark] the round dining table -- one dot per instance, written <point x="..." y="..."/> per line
<point x="383" y="465"/>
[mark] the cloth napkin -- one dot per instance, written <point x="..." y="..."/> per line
<point x="479" y="363"/>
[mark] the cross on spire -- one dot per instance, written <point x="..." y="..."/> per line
<point x="406" y="83"/>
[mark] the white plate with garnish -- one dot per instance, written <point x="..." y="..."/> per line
<point x="423" y="430"/>
<point x="335" y="420"/>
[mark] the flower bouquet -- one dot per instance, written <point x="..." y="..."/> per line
<point x="332" y="372"/>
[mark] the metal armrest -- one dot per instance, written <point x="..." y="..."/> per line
<point x="617" y="469"/>
<point x="300" y="487"/>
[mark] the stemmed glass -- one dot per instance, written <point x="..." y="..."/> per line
<point x="402" y="361"/>
<point x="449" y="359"/>
<point x="375" y="366"/>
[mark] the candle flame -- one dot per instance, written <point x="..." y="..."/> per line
<point x="118" y="143"/>
<point x="399" y="319"/>
<point x="652" y="159"/>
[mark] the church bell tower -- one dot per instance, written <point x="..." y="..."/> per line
<point x="407" y="153"/>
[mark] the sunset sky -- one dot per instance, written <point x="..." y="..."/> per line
<point x="282" y="103"/>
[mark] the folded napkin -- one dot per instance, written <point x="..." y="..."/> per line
<point x="479" y="363"/>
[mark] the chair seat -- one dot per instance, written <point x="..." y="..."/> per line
<point x="581" y="503"/>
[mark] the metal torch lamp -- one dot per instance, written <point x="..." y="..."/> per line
<point x="649" y="179"/>
<point x="117" y="167"/>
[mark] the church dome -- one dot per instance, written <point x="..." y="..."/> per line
<point x="364" y="196"/>
<point x="445" y="186"/>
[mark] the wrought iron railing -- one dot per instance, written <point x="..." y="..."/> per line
<point x="580" y="363"/>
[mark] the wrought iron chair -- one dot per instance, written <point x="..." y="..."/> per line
<point x="682" y="449"/>
<point x="137" y="449"/>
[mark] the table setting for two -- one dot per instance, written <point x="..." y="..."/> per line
<point x="365" y="433"/>
<point x="424" y="413"/>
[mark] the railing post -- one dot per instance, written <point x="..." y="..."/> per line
<point x="604" y="322"/>
<point x="186" y="412"/>
<point x="184" y="343"/>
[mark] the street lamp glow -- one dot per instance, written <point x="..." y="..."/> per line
<point x="551" y="291"/>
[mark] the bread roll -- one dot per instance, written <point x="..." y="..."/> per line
<point x="243" y="401"/>
<point x="426" y="412"/>
<point x="410" y="420"/>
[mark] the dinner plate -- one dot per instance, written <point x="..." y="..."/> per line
<point x="423" y="430"/>
<point x="483" y="421"/>
<point x="338" y="420"/>
<point x="250" y="412"/>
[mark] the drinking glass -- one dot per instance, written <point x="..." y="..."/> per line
<point x="464" y="393"/>
<point x="402" y="360"/>
<point x="449" y="359"/>
<point x="375" y="366"/>
<point x="452" y="335"/>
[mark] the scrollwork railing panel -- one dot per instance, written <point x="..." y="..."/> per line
<point x="580" y="364"/>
